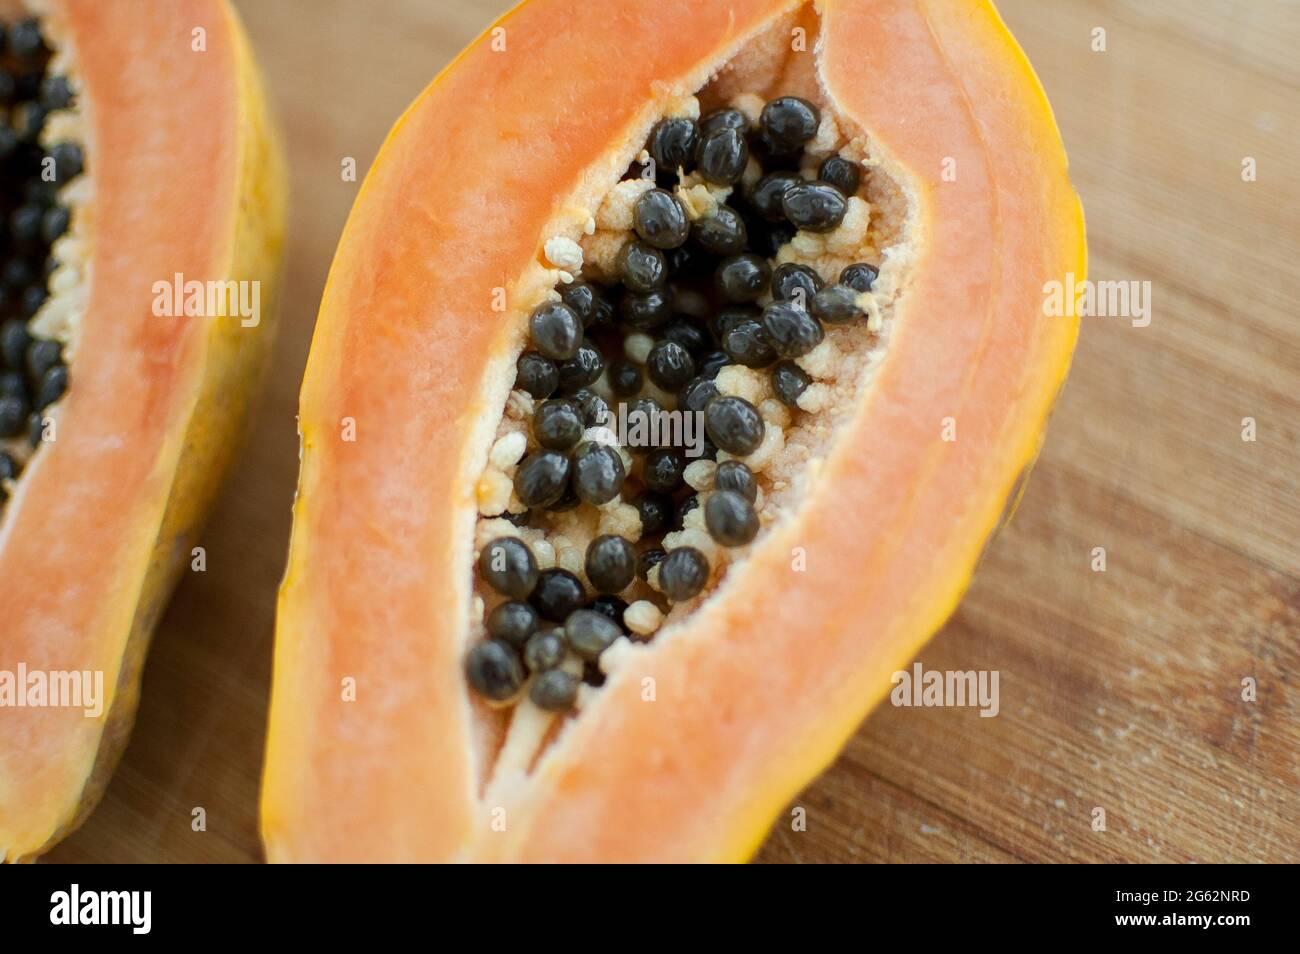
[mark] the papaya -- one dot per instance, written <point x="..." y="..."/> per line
<point x="143" y="194"/>
<point x="675" y="365"/>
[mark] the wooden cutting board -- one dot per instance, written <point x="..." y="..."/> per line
<point x="1120" y="690"/>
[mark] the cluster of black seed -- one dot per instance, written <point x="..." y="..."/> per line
<point x="33" y="374"/>
<point x="725" y="260"/>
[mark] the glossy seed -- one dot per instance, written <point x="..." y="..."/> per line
<point x="508" y="566"/>
<point x="672" y="143"/>
<point x="557" y="594"/>
<point x="610" y="563"/>
<point x="730" y="518"/>
<point x="54" y="224"/>
<point x="13" y="415"/>
<point x="722" y="233"/>
<point x="814" y="206"/>
<point x="687" y="334"/>
<point x="598" y="473"/>
<point x="25" y="224"/>
<point x="556" y="330"/>
<point x="769" y="192"/>
<point x="494" y="670"/>
<point x="536" y="374"/>
<point x="585" y="300"/>
<point x="68" y="161"/>
<point x="655" y="510"/>
<point x="733" y="424"/>
<point x="56" y="92"/>
<point x="542" y="478"/>
<point x="513" y="622"/>
<point x="789" y="381"/>
<point x="53" y="384"/>
<point x="721" y="156"/>
<point x="792" y="331"/>
<point x="730" y="316"/>
<point x="595" y="411"/>
<point x="557" y="424"/>
<point x="625" y="378"/>
<point x="836" y="305"/>
<point x="25" y="41"/>
<point x="662" y="470"/>
<point x="670" y="366"/>
<point x="646" y="311"/>
<point x="589" y="634"/>
<point x="17" y="274"/>
<point x="582" y="370"/>
<point x="660" y="219"/>
<point x="696" y="394"/>
<point x="13" y="384"/>
<point x="14" y="342"/>
<point x="795" y="283"/>
<point x="712" y="363"/>
<point x="726" y="118"/>
<point x="544" y="651"/>
<point x="683" y="574"/>
<point x="32" y="299"/>
<point x="859" y="276"/>
<point x="554" y="690"/>
<point x="746" y="343"/>
<point x="641" y="266"/>
<point x="842" y="173"/>
<point x="735" y="475"/>
<point x="788" y="122"/>
<point x="742" y="278"/>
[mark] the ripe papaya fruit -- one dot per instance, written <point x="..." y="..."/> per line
<point x="675" y="365"/>
<point x="144" y="198"/>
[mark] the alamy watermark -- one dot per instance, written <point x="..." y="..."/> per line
<point x="1090" y="299"/>
<point x="947" y="687"/>
<point x="634" y="427"/>
<point x="53" y="689"/>
<point x="182" y="298"/>
<point x="133" y="909"/>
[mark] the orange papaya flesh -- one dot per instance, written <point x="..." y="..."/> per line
<point x="377" y="749"/>
<point x="183" y="178"/>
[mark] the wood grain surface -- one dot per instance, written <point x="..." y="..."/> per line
<point x="1120" y="690"/>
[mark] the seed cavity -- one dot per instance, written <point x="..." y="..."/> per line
<point x="730" y="281"/>
<point x="42" y="160"/>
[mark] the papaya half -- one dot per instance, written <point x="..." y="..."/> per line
<point x="144" y="199"/>
<point x="676" y="363"/>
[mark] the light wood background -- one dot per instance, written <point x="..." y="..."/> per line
<point x="1120" y="690"/>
